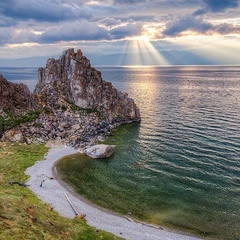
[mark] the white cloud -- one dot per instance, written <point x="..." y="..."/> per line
<point x="55" y="25"/>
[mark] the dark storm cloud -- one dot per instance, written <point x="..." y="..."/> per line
<point x="128" y="1"/>
<point x="59" y="20"/>
<point x="200" y="26"/>
<point x="226" y="29"/>
<point x="74" y="32"/>
<point x="196" y="23"/>
<point x="220" y="5"/>
<point x="87" y="31"/>
<point x="40" y="10"/>
<point x="5" y="34"/>
<point x="130" y="30"/>
<point x="216" y="6"/>
<point x="7" y="22"/>
<point x="187" y="23"/>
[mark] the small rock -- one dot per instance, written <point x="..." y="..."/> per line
<point x="100" y="151"/>
<point x="13" y="136"/>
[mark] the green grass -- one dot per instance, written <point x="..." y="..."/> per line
<point x="22" y="214"/>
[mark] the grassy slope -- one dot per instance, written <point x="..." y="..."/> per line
<point x="22" y="214"/>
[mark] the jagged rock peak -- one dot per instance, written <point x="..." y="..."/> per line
<point x="15" y="97"/>
<point x="71" y="79"/>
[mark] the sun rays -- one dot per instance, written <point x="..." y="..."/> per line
<point x="189" y="50"/>
<point x="141" y="52"/>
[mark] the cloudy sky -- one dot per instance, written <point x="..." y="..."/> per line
<point x="123" y="32"/>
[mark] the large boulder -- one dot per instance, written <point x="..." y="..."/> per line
<point x="100" y="151"/>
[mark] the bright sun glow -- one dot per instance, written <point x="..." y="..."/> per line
<point x="21" y="45"/>
<point x="143" y="38"/>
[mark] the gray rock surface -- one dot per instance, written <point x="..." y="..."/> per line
<point x="100" y="151"/>
<point x="71" y="79"/>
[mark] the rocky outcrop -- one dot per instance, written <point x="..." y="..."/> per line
<point x="71" y="79"/>
<point x="17" y="103"/>
<point x="16" y="98"/>
<point x="71" y="102"/>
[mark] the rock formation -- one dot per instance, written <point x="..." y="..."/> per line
<point x="71" y="102"/>
<point x="17" y="103"/>
<point x="71" y="79"/>
<point x="16" y="98"/>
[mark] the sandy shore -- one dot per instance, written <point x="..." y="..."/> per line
<point x="53" y="191"/>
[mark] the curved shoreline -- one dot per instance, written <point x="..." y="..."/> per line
<point x="53" y="192"/>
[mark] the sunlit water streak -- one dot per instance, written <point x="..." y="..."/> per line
<point x="180" y="166"/>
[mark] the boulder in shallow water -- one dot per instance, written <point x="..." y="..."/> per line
<point x="100" y="151"/>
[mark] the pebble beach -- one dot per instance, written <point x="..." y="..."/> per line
<point x="45" y="183"/>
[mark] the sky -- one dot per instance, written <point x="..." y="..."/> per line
<point x="121" y="32"/>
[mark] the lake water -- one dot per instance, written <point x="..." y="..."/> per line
<point x="28" y="76"/>
<point x="179" y="167"/>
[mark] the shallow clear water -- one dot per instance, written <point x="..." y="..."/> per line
<point x="180" y="166"/>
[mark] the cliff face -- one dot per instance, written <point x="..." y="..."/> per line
<point x="16" y="98"/>
<point x="71" y="102"/>
<point x="71" y="79"/>
<point x="17" y="105"/>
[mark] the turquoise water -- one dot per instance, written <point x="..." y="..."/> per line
<point x="179" y="167"/>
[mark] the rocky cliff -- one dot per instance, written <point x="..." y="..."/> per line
<point x="16" y="98"/>
<point x="71" y="79"/>
<point x="71" y="102"/>
<point x="17" y="105"/>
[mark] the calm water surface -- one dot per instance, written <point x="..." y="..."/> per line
<point x="180" y="166"/>
<point x="28" y="76"/>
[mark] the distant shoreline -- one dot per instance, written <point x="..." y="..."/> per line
<point x="53" y="192"/>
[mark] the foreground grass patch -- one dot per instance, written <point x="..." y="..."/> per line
<point x="22" y="214"/>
